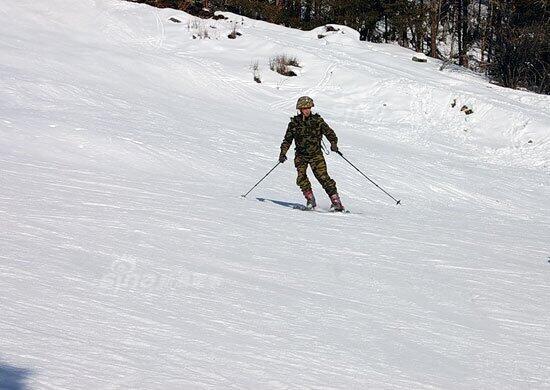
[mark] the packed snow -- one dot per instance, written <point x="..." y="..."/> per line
<point x="128" y="259"/>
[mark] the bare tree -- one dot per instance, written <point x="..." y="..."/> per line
<point x="434" y="11"/>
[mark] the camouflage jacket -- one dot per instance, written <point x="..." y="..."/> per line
<point x="307" y="134"/>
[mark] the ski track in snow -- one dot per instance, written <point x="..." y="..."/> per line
<point x="128" y="259"/>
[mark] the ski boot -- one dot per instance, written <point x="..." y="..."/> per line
<point x="311" y="203"/>
<point x="336" y="203"/>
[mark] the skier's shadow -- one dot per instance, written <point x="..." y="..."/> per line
<point x="290" y="205"/>
<point x="13" y="378"/>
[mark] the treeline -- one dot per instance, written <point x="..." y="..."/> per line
<point x="509" y="40"/>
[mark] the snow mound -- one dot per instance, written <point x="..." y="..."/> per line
<point x="336" y="34"/>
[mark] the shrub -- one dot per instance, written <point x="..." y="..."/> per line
<point x="255" y="67"/>
<point x="198" y="28"/>
<point x="234" y="33"/>
<point x="193" y="24"/>
<point x="280" y="64"/>
<point x="203" y="33"/>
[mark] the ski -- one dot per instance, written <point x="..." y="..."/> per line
<point x="319" y="210"/>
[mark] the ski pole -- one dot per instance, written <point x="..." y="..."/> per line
<point x="366" y="177"/>
<point x="255" y="185"/>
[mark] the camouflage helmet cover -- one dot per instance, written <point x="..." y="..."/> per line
<point x="304" y="102"/>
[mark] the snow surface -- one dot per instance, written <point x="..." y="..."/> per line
<point x="129" y="261"/>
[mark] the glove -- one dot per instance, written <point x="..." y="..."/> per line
<point x="282" y="158"/>
<point x="334" y="148"/>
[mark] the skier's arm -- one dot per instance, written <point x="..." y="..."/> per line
<point x="330" y="134"/>
<point x="287" y="141"/>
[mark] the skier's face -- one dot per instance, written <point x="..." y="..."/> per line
<point x="306" y="112"/>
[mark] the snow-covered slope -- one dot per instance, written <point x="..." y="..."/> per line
<point x="129" y="261"/>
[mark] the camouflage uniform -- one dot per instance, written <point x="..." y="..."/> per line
<point x="307" y="134"/>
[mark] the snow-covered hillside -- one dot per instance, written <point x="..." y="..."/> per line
<point x="128" y="259"/>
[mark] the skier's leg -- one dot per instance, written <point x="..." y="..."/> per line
<point x="302" y="181"/>
<point x="319" y="168"/>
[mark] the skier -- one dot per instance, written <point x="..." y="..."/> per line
<point x="307" y="130"/>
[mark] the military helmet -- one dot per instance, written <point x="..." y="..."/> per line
<point x="304" y="102"/>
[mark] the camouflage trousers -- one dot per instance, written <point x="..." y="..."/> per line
<point x="319" y="168"/>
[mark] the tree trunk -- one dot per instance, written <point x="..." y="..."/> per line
<point x="435" y="10"/>
<point x="479" y="17"/>
<point x="307" y="11"/>
<point x="386" y="28"/>
<point x="465" y="33"/>
<point x="458" y="28"/>
<point x="488" y="34"/>
<point x="298" y="9"/>
<point x="421" y="29"/>
<point x="317" y="10"/>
